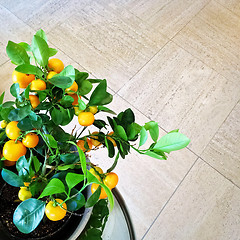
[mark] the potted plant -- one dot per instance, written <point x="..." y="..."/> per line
<point x="46" y="173"/>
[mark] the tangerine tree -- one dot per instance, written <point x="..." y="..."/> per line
<point x="52" y="161"/>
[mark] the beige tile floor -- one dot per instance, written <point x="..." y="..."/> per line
<point x="174" y="61"/>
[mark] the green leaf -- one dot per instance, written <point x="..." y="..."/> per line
<point x="172" y="142"/>
<point x="36" y="163"/>
<point x="57" y="116"/>
<point x="29" y="69"/>
<point x="76" y="202"/>
<point x="119" y="130"/>
<point x="110" y="147"/>
<point x="72" y="179"/>
<point x="153" y="130"/>
<point x="12" y="178"/>
<point x="15" y="90"/>
<point x="80" y="76"/>
<point x="84" y="87"/>
<point x="154" y="155"/>
<point x="68" y="71"/>
<point x="69" y="158"/>
<point x="40" y="50"/>
<point x="51" y="141"/>
<point x="105" y="109"/>
<point x="52" y="52"/>
<point x="81" y="104"/>
<point x="28" y="215"/>
<point x="100" y="96"/>
<point x="133" y="130"/>
<point x="25" y="124"/>
<point x="66" y="167"/>
<point x="67" y="101"/>
<point x="19" y="114"/>
<point x="16" y="53"/>
<point x="41" y="34"/>
<point x="26" y="46"/>
<point x="143" y="136"/>
<point x="54" y="186"/>
<point x="8" y="104"/>
<point x="176" y="130"/>
<point x="22" y="165"/>
<point x="93" y="198"/>
<point x="61" y="81"/>
<point x="2" y="97"/>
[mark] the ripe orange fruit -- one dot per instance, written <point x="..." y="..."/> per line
<point x="38" y="85"/>
<point x="30" y="140"/>
<point x="112" y="140"/>
<point x="22" y="79"/>
<point x="34" y="100"/>
<point x="94" y="140"/>
<point x="93" y="109"/>
<point x="86" y="118"/>
<point x="12" y="131"/>
<point x="111" y="180"/>
<point x="75" y="98"/>
<point x="94" y="187"/>
<point x="81" y="143"/>
<point x="72" y="89"/>
<point x="13" y="151"/>
<point x="55" y="213"/>
<point x="51" y="74"/>
<point x="56" y="65"/>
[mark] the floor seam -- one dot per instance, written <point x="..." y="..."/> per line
<point x="164" y="206"/>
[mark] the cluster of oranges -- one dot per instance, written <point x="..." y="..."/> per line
<point x="14" y="148"/>
<point x="109" y="179"/>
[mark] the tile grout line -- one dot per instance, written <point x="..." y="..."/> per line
<point x="228" y="179"/>
<point x="164" y="206"/>
<point x="237" y="15"/>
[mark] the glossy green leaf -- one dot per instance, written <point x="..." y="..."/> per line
<point x="68" y="71"/>
<point x="105" y="109"/>
<point x="12" y="178"/>
<point x="54" y="186"/>
<point x="29" y="69"/>
<point x="52" y="52"/>
<point x="61" y="81"/>
<point x="153" y="130"/>
<point x="28" y="215"/>
<point x="25" y="124"/>
<point x="119" y="130"/>
<point x="93" y="198"/>
<point x="143" y="136"/>
<point x="84" y="87"/>
<point x="41" y="34"/>
<point x="17" y="53"/>
<point x="15" y="90"/>
<point x="72" y="179"/>
<point x="76" y="202"/>
<point x="26" y="46"/>
<point x="51" y="141"/>
<point x="40" y="50"/>
<point x="69" y="158"/>
<point x="2" y="97"/>
<point x="172" y="142"/>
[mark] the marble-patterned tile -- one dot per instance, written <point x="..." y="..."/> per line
<point x="213" y="37"/>
<point x="43" y="14"/>
<point x="145" y="183"/>
<point x="11" y="29"/>
<point x="168" y="17"/>
<point x="6" y="80"/>
<point x="179" y="91"/>
<point x="205" y="206"/>
<point x="111" y="46"/>
<point x="233" y="5"/>
<point x="223" y="151"/>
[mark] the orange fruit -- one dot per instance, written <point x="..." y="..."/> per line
<point x="86" y="118"/>
<point x="111" y="180"/>
<point x="22" y="79"/>
<point x="55" y="213"/>
<point x="51" y="74"/>
<point x="96" y="171"/>
<point x="13" y="151"/>
<point x="34" y="100"/>
<point x="56" y="65"/>
<point x="94" y="140"/>
<point x="94" y="187"/>
<point x="72" y="89"/>
<point x="30" y="140"/>
<point x="37" y="85"/>
<point x="75" y="98"/>
<point x="12" y="131"/>
<point x="81" y="143"/>
<point x="112" y="140"/>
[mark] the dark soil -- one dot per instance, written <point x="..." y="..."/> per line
<point x="9" y="202"/>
